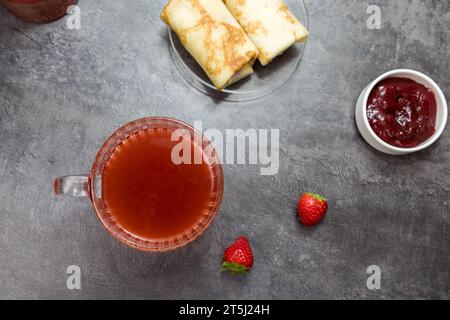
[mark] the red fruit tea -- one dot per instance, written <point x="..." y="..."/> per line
<point x="148" y="195"/>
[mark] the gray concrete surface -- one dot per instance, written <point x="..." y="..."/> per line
<point x="63" y="92"/>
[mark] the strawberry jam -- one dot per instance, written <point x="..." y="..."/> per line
<point x="402" y="112"/>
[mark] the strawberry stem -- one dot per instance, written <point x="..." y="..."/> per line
<point x="317" y="196"/>
<point x="234" y="267"/>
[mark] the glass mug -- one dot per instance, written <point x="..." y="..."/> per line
<point x="142" y="197"/>
<point x="38" y="10"/>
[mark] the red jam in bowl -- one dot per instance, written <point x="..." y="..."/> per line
<point x="402" y="112"/>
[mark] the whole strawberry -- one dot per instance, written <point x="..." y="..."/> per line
<point x="311" y="209"/>
<point x="238" y="258"/>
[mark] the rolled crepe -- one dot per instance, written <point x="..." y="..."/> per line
<point x="211" y="34"/>
<point x="270" y="25"/>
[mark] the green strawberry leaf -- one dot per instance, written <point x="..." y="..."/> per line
<point x="234" y="268"/>
<point x="317" y="196"/>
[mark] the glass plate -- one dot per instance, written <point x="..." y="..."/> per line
<point x="264" y="81"/>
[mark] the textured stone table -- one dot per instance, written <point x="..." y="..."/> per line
<point x="62" y="92"/>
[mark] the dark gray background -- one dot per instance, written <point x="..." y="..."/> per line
<point x="63" y="92"/>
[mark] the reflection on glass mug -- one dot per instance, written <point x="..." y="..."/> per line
<point x="144" y="198"/>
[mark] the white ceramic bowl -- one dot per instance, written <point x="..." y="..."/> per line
<point x="372" y="138"/>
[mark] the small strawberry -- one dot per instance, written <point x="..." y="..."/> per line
<point x="238" y="258"/>
<point x="311" y="209"/>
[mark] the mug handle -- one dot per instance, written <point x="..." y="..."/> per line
<point x="73" y="186"/>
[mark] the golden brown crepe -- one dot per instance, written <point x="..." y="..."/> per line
<point x="213" y="37"/>
<point x="270" y="25"/>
